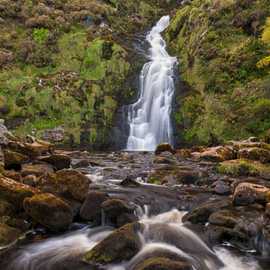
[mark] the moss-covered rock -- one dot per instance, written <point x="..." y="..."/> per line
<point x="243" y="167"/>
<point x="15" y="192"/>
<point x="48" y="210"/>
<point x="120" y="246"/>
<point x="14" y="160"/>
<point x="69" y="183"/>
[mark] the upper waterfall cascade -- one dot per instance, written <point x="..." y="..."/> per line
<point x="149" y="118"/>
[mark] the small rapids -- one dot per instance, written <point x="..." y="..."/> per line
<point x="163" y="235"/>
<point x="149" y="118"/>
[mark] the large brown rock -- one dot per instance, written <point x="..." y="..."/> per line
<point x="248" y="193"/>
<point x="59" y="161"/>
<point x="201" y="213"/>
<point x="15" y="192"/>
<point x="68" y="183"/>
<point x="218" y="154"/>
<point x="160" y="263"/>
<point x="91" y="208"/>
<point x="48" y="210"/>
<point x="119" y="246"/>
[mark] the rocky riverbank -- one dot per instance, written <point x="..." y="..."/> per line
<point x="45" y="191"/>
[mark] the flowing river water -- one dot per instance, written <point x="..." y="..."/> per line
<point x="163" y="233"/>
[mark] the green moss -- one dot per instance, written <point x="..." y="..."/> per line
<point x="219" y="47"/>
<point x="243" y="167"/>
<point x="40" y="35"/>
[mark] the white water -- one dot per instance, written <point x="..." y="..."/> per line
<point x="149" y="118"/>
<point x="163" y="234"/>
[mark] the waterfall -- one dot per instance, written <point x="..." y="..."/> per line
<point x="149" y="118"/>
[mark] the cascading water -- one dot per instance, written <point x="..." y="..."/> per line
<point x="149" y="118"/>
<point x="163" y="235"/>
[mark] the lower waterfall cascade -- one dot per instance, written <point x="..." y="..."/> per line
<point x="149" y="118"/>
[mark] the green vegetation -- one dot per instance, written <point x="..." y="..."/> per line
<point x="243" y="167"/>
<point x="223" y="50"/>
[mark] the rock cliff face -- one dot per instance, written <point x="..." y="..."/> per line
<point x="223" y="49"/>
<point x="70" y="65"/>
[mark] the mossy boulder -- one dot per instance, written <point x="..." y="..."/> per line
<point x="160" y="263"/>
<point x="255" y="153"/>
<point x="68" y="182"/>
<point x="121" y="245"/>
<point x="201" y="213"/>
<point x="244" y="167"/>
<point x="49" y="210"/>
<point x="15" y="192"/>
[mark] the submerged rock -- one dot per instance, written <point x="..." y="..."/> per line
<point x="120" y="246"/>
<point x="50" y="211"/>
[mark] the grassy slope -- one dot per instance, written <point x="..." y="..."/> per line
<point x="223" y="49"/>
<point x="60" y="66"/>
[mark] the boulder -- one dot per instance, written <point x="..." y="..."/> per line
<point x="8" y="234"/>
<point x="68" y="183"/>
<point x="201" y="213"/>
<point x="160" y="263"/>
<point x="91" y="208"/>
<point x="36" y="169"/>
<point x="14" y="175"/>
<point x="218" y="154"/>
<point x="55" y="135"/>
<point x="74" y="182"/>
<point x="15" y="192"/>
<point x="164" y="147"/>
<point x="116" y="208"/>
<point x="119" y="246"/>
<point x="255" y="153"/>
<point x="14" y="160"/>
<point x="49" y="211"/>
<point x="59" y="161"/>
<point x="248" y="193"/>
<point x="267" y="209"/>
<point x="224" y="218"/>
